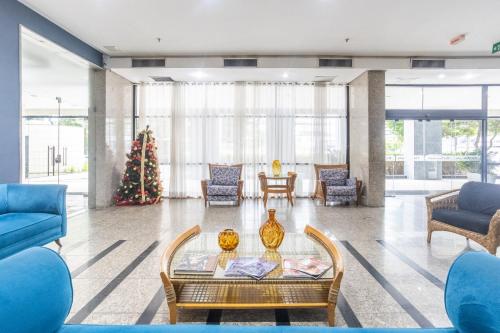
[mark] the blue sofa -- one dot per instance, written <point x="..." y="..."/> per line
<point x="31" y="215"/>
<point x="36" y="296"/>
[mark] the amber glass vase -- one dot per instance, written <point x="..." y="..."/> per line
<point x="276" y="168"/>
<point x="228" y="239"/>
<point x="271" y="232"/>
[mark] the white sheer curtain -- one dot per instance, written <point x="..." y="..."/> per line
<point x="251" y="123"/>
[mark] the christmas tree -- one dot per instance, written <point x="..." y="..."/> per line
<point x="141" y="184"/>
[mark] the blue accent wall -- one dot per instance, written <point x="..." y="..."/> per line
<point x="12" y="15"/>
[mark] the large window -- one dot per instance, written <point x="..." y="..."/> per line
<point x="435" y="137"/>
<point x="251" y="123"/>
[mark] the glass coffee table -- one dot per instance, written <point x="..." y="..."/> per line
<point x="272" y="292"/>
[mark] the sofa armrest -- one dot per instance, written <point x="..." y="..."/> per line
<point x="204" y="187"/>
<point x="36" y="292"/>
<point x="30" y="198"/>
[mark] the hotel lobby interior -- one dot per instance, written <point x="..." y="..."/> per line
<point x="249" y="166"/>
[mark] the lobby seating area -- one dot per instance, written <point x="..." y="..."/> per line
<point x="471" y="297"/>
<point x="249" y="166"/>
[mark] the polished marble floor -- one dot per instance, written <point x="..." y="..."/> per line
<point x="392" y="277"/>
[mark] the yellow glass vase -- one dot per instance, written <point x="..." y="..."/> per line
<point x="276" y="168"/>
<point x="228" y="239"/>
<point x="271" y="232"/>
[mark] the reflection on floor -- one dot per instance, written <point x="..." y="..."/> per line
<point x="392" y="277"/>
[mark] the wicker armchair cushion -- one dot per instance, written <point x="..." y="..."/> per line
<point x="225" y="175"/>
<point x="463" y="219"/>
<point x="479" y="197"/>
<point x="333" y="177"/>
<point x="472" y="296"/>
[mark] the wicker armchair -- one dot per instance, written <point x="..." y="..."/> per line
<point x="321" y="186"/>
<point x="225" y="184"/>
<point x="487" y="234"/>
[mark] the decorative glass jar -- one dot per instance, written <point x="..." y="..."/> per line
<point x="228" y="239"/>
<point x="276" y="168"/>
<point x="271" y="232"/>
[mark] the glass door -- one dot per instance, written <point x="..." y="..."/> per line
<point x="55" y="101"/>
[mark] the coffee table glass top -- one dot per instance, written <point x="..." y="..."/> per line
<point x="294" y="246"/>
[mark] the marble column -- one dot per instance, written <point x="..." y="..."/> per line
<point x="367" y="135"/>
<point x="110" y="134"/>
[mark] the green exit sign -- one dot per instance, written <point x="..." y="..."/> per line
<point x="496" y="48"/>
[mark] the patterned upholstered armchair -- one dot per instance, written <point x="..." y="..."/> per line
<point x="225" y="184"/>
<point x="336" y="187"/>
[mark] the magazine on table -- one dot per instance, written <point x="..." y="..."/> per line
<point x="304" y="268"/>
<point x="197" y="264"/>
<point x="256" y="268"/>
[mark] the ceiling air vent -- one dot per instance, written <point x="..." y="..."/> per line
<point x="240" y="62"/>
<point x="427" y="63"/>
<point x="162" y="78"/>
<point x="335" y="62"/>
<point x="148" y="62"/>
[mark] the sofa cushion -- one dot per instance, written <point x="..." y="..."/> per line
<point x="225" y="175"/>
<point x="472" y="296"/>
<point x="222" y="190"/>
<point x="463" y="219"/>
<point x="183" y="328"/>
<point x="333" y="177"/>
<point x="341" y="190"/>
<point x="479" y="197"/>
<point x="15" y="227"/>
<point x="3" y="199"/>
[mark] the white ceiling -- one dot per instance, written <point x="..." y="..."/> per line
<point x="335" y="75"/>
<point x="285" y="27"/>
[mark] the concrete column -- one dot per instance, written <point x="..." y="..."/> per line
<point x="110" y="134"/>
<point x="367" y="135"/>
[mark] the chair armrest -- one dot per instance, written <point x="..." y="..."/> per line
<point x="240" y="188"/>
<point x="442" y="200"/>
<point x="350" y="182"/>
<point x="494" y="228"/>
<point x="323" y="188"/>
<point x="204" y="187"/>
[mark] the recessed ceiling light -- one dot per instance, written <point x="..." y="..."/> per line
<point x="285" y="75"/>
<point x="470" y="76"/>
<point x="441" y="76"/>
<point x="199" y="74"/>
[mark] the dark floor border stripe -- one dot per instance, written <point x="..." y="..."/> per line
<point x="348" y="314"/>
<point x="282" y="317"/>
<point x="96" y="258"/>
<point x="412" y="311"/>
<point x="149" y="313"/>
<point x="419" y="269"/>
<point x="91" y="305"/>
<point x="214" y="316"/>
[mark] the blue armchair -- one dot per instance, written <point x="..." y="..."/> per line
<point x="225" y="184"/>
<point x="37" y="299"/>
<point x="473" y="212"/>
<point x="336" y="187"/>
<point x="31" y="215"/>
